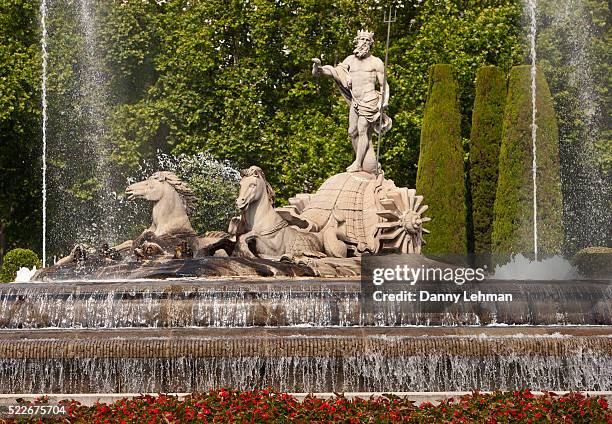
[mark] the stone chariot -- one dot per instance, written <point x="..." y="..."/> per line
<point x="370" y="214"/>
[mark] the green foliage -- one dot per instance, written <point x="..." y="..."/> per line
<point x="240" y="87"/>
<point x="216" y="200"/>
<point x="466" y="35"/>
<point x="440" y="175"/>
<point x="593" y="262"/>
<point x="16" y="259"/>
<point x="215" y="185"/>
<point x="19" y="125"/>
<point x="485" y="139"/>
<point x="513" y="209"/>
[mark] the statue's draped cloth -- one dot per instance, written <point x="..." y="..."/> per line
<point x="366" y="107"/>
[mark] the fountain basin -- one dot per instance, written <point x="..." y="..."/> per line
<point x="305" y="359"/>
<point x="245" y="302"/>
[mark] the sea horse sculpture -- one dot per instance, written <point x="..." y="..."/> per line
<point x="170" y="225"/>
<point x="261" y="232"/>
<point x="173" y="199"/>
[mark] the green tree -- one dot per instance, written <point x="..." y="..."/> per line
<point x="466" y="35"/>
<point x="240" y="85"/>
<point x="485" y="139"/>
<point x="513" y="230"/>
<point x="215" y="185"/>
<point x="20" y="146"/>
<point x="440" y="176"/>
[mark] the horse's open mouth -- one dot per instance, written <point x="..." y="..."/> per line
<point x="131" y="194"/>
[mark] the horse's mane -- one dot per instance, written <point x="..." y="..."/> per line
<point x="181" y="188"/>
<point x="256" y="171"/>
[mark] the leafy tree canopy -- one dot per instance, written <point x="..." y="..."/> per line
<point x="231" y="78"/>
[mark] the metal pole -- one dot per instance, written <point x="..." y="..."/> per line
<point x="388" y="20"/>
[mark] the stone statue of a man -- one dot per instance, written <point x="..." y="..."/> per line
<point x="356" y="77"/>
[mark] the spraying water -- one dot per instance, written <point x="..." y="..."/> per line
<point x="532" y="7"/>
<point x="521" y="268"/>
<point x="43" y="42"/>
<point x="80" y="179"/>
<point x="96" y="104"/>
<point x="575" y="61"/>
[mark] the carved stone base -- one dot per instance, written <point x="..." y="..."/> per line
<point x="167" y="267"/>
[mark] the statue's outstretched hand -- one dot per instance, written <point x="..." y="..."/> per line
<point x="316" y="67"/>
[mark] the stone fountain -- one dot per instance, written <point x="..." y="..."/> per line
<point x="279" y="299"/>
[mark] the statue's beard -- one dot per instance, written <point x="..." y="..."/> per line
<point x="362" y="50"/>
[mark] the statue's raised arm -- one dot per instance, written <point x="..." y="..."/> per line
<point x="317" y="69"/>
<point x="356" y="77"/>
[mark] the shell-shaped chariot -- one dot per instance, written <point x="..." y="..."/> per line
<point x="371" y="214"/>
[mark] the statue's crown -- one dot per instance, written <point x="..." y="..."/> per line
<point x="365" y="33"/>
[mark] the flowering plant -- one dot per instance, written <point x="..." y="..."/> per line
<point x="269" y="406"/>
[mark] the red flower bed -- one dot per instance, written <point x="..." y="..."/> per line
<point x="264" y="406"/>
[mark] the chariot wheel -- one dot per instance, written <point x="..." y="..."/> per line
<point x="401" y="228"/>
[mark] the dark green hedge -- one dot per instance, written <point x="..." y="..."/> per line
<point x="513" y="221"/>
<point x="14" y="260"/>
<point x="485" y="139"/>
<point x="440" y="176"/>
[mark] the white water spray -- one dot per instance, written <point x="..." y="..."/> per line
<point x="43" y="42"/>
<point x="94" y="89"/>
<point x="532" y="6"/>
<point x="577" y="58"/>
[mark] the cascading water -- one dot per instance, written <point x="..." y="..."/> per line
<point x="43" y="43"/>
<point x="532" y="7"/>
<point x="310" y="303"/>
<point x="301" y="361"/>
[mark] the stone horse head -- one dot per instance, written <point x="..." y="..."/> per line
<point x="173" y="199"/>
<point x="255" y="201"/>
<point x="253" y="189"/>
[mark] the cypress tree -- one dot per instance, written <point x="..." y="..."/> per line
<point x="513" y="210"/>
<point x="485" y="139"/>
<point x="440" y="175"/>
